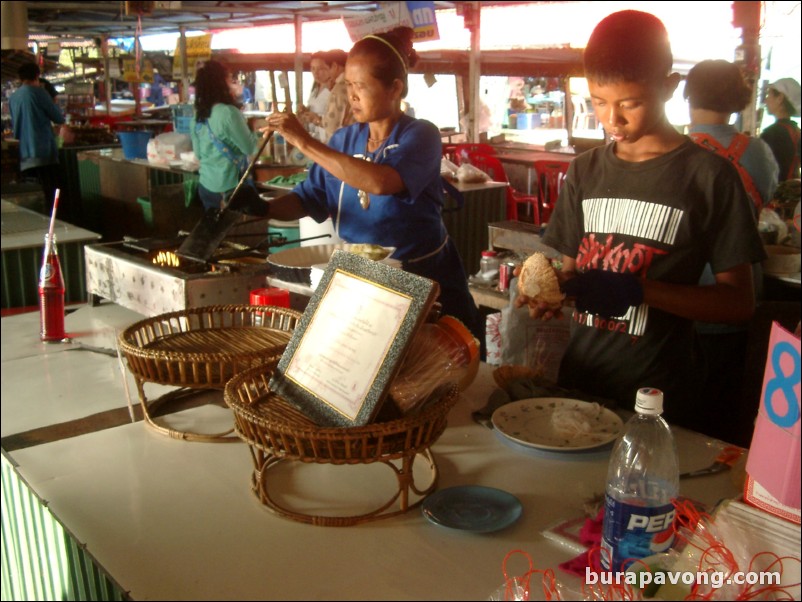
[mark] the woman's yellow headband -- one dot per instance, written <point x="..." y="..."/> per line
<point x="391" y="47"/>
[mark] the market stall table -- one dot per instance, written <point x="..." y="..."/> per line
<point x="170" y="519"/>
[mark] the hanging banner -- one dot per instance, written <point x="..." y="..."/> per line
<point x="199" y="49"/>
<point x="130" y="74"/>
<point x="424" y="21"/>
<point x="420" y="16"/>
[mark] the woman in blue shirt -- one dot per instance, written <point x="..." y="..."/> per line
<point x="33" y="114"/>
<point x="379" y="178"/>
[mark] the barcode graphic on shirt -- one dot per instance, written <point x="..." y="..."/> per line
<point x="642" y="219"/>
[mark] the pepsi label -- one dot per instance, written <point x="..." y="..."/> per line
<point x="632" y="532"/>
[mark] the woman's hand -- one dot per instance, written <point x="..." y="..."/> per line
<point x="288" y="125"/>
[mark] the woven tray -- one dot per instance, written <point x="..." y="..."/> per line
<point x="203" y="348"/>
<point x="277" y="432"/>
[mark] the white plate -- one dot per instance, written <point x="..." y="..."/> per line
<point x="529" y="422"/>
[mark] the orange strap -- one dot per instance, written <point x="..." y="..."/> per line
<point x="733" y="153"/>
<point x="794" y="134"/>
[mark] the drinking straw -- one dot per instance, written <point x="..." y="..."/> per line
<point x="53" y="215"/>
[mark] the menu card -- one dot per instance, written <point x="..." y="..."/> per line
<point x="349" y="343"/>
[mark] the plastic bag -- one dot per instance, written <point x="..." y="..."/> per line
<point x="165" y="148"/>
<point x="537" y="344"/>
<point x="448" y="169"/>
<point x="770" y="221"/>
<point x="467" y="173"/>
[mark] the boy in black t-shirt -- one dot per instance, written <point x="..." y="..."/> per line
<point x="636" y="222"/>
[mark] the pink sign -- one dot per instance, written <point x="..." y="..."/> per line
<point x="774" y="456"/>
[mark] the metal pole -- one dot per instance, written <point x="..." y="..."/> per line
<point x="104" y="46"/>
<point x="474" y="72"/>
<point x="299" y="63"/>
<point x="182" y="41"/>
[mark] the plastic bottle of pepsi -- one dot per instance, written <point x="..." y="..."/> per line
<point x="642" y="481"/>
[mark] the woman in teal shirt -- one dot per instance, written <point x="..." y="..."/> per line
<point x="220" y="135"/>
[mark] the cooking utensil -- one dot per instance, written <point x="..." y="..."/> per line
<point x="725" y="460"/>
<point x="270" y="241"/>
<point x="210" y="231"/>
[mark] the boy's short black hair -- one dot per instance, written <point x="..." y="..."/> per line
<point x="28" y="72"/>
<point x="629" y="46"/>
<point x="717" y="86"/>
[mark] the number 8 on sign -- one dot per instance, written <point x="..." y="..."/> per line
<point x="783" y="383"/>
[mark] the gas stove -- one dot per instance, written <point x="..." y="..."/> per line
<point x="148" y="277"/>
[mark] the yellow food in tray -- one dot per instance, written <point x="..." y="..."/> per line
<point x="374" y="252"/>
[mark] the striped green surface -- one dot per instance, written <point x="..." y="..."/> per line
<point x="20" y="274"/>
<point x="40" y="559"/>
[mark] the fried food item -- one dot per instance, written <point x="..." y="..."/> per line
<point x="538" y="281"/>
<point x="374" y="252"/>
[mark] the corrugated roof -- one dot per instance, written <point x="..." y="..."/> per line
<point x="97" y="19"/>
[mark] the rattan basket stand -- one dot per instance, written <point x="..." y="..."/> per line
<point x="201" y="348"/>
<point x="277" y="432"/>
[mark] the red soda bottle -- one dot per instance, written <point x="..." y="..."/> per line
<point x="51" y="294"/>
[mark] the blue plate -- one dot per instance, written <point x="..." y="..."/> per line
<point x="472" y="508"/>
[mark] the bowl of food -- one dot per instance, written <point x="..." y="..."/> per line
<point x="781" y="259"/>
<point x="295" y="265"/>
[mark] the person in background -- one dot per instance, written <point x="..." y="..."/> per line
<point x="782" y="101"/>
<point x="33" y="113"/>
<point x="220" y="135"/>
<point x="311" y="115"/>
<point x="338" y="110"/>
<point x="715" y="90"/>
<point x="636" y="222"/>
<point x="156" y="95"/>
<point x="379" y="178"/>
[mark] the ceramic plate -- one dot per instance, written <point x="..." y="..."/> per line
<point x="472" y="508"/>
<point x="536" y="423"/>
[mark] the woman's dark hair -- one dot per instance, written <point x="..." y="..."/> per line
<point x="337" y="57"/>
<point x="717" y="86"/>
<point x="211" y="88"/>
<point x="628" y="46"/>
<point x="28" y="72"/>
<point x="394" y="55"/>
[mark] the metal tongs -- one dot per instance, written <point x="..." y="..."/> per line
<point x="724" y="461"/>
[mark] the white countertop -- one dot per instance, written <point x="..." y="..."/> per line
<point x="23" y="228"/>
<point x="171" y="519"/>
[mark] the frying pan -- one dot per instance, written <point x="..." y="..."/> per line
<point x="209" y="232"/>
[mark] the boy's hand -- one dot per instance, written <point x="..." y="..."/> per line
<point x="608" y="294"/>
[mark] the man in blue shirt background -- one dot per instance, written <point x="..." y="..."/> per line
<point x="33" y="112"/>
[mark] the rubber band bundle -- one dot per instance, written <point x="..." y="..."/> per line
<point x="727" y="562"/>
<point x="529" y="585"/>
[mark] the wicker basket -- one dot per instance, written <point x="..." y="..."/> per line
<point x="276" y="431"/>
<point x="203" y="348"/>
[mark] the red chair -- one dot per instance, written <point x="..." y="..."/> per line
<point x="463" y="149"/>
<point x="550" y="178"/>
<point x="450" y="152"/>
<point x="492" y="166"/>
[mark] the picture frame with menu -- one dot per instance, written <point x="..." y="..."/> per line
<point x="351" y="339"/>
